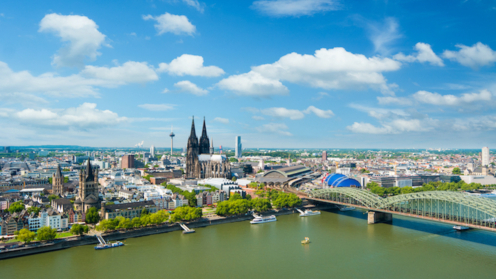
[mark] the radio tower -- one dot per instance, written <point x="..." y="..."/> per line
<point x="172" y="140"/>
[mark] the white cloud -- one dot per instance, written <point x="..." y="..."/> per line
<point x="129" y="72"/>
<point x="320" y="95"/>
<point x="451" y="100"/>
<point x="274" y="128"/>
<point x="168" y="23"/>
<point x="474" y="57"/>
<point x="189" y="87"/>
<point x="394" y="127"/>
<point x="381" y="113"/>
<point x="292" y="114"/>
<point x="384" y="35"/>
<point x="257" y="117"/>
<point x="295" y="7"/>
<point x="221" y="120"/>
<point x="157" y="107"/>
<point x="320" y="113"/>
<point x="424" y="54"/>
<point x="486" y="122"/>
<point x="80" y="34"/>
<point x="86" y="116"/>
<point x="253" y="84"/>
<point x="192" y="65"/>
<point x="331" y="69"/>
<point x="195" y="4"/>
<point x="165" y="90"/>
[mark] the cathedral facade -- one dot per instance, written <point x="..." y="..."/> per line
<point x="201" y="162"/>
<point x="88" y="189"/>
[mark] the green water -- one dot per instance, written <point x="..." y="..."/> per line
<point x="342" y="246"/>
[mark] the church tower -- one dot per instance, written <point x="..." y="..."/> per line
<point x="88" y="189"/>
<point x="192" y="153"/>
<point x="204" y="141"/>
<point x="58" y="182"/>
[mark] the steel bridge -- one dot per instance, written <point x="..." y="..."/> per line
<point x="440" y="206"/>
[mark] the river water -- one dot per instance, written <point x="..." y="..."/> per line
<point x="342" y="246"/>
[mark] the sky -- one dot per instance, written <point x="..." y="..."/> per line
<point x="278" y="73"/>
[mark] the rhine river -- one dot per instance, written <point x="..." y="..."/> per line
<point x="342" y="246"/>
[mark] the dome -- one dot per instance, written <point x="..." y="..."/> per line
<point x="331" y="178"/>
<point x="346" y="182"/>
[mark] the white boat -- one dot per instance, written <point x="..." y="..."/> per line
<point x="346" y="208"/>
<point x="309" y="212"/>
<point x="261" y="219"/>
<point x="461" y="228"/>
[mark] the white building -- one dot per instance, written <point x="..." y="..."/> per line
<point x="152" y="150"/>
<point x="485" y="156"/>
<point x="482" y="179"/>
<point x="48" y="218"/>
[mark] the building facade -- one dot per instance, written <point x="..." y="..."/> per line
<point x="238" y="152"/>
<point x="128" y="161"/>
<point x="57" y="182"/>
<point x="485" y="156"/>
<point x="88" y="189"/>
<point x="199" y="162"/>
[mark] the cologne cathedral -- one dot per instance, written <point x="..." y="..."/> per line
<point x="201" y="162"/>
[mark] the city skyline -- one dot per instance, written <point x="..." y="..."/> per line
<point x="318" y="74"/>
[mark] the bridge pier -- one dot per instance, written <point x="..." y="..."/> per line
<point x="379" y="217"/>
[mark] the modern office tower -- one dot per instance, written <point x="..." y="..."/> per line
<point x="172" y="139"/>
<point x="152" y="150"/>
<point x="324" y="156"/>
<point x="238" y="147"/>
<point x="485" y="156"/>
<point x="128" y="161"/>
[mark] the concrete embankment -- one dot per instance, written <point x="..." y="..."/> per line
<point x="124" y="234"/>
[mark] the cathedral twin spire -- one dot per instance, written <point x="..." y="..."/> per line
<point x="203" y="143"/>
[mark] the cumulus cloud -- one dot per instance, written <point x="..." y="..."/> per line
<point x="486" y="122"/>
<point x="292" y="114"/>
<point x="221" y="120"/>
<point x="189" y="87"/>
<point x="86" y="116"/>
<point x="253" y="84"/>
<point x="333" y="68"/>
<point x="80" y="34"/>
<point x="396" y="126"/>
<point x="129" y="72"/>
<point x="394" y="100"/>
<point x="424" y="54"/>
<point x="192" y="65"/>
<point x="476" y="56"/>
<point x="175" y="24"/>
<point x="257" y="117"/>
<point x="319" y="112"/>
<point x="195" y="4"/>
<point x="281" y="8"/>
<point x="451" y="100"/>
<point x="157" y="107"/>
<point x="274" y="128"/>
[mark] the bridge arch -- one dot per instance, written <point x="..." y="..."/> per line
<point x="362" y="197"/>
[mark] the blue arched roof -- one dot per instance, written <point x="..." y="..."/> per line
<point x="346" y="182"/>
<point x="331" y="178"/>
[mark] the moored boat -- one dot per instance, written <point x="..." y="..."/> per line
<point x="309" y="212"/>
<point x="261" y="219"/>
<point x="461" y="228"/>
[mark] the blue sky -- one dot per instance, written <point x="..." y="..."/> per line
<point x="279" y="73"/>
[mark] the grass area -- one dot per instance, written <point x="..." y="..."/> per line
<point x="64" y="234"/>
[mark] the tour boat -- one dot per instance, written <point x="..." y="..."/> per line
<point x="309" y="212"/>
<point x="261" y="219"/>
<point x="306" y="241"/>
<point x="346" y="208"/>
<point x="108" y="245"/>
<point x="461" y="228"/>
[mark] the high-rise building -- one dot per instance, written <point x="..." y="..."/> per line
<point x="6" y="149"/>
<point x="324" y="156"/>
<point x="172" y="139"/>
<point x="238" y="149"/>
<point x="152" y="151"/>
<point x="485" y="156"/>
<point x="128" y="161"/>
<point x="58" y="182"/>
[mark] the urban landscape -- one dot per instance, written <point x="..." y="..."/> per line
<point x="340" y="163"/>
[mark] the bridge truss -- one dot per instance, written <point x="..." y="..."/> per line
<point x="444" y="206"/>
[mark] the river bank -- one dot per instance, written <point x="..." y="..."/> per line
<point x="139" y="232"/>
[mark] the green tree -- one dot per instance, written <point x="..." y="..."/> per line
<point x="25" y="236"/>
<point x="456" y="171"/>
<point x="78" y="229"/>
<point x="16" y="207"/>
<point x="235" y="196"/>
<point x="34" y="209"/>
<point x="406" y="190"/>
<point x="260" y="205"/>
<point x="92" y="216"/>
<point x="46" y="233"/>
<point x="234" y="178"/>
<point x="145" y="211"/>
<point x="372" y="184"/>
<point x="53" y="197"/>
